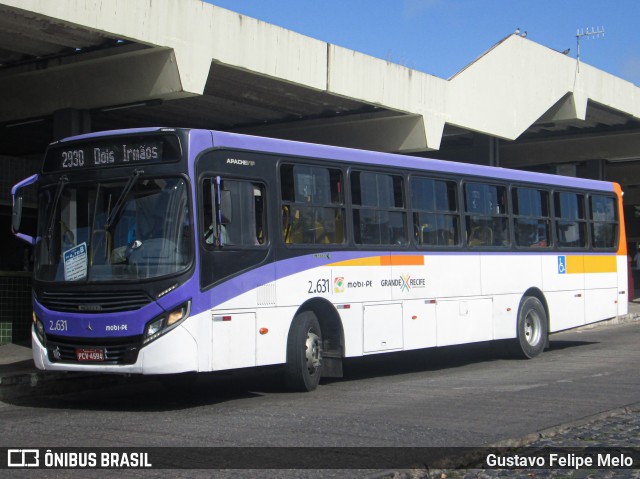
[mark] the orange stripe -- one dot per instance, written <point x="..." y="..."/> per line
<point x="622" y="246"/>
<point x="591" y="264"/>
<point x="393" y="260"/>
<point x="402" y="260"/>
<point x="369" y="261"/>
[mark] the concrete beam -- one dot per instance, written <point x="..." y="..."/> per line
<point x="518" y="81"/>
<point x="571" y="107"/>
<point x="397" y="134"/>
<point x="115" y="80"/>
<point x="391" y="86"/>
<point x="501" y="94"/>
<point x="198" y="32"/>
<point x="621" y="145"/>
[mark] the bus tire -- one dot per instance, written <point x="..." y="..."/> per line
<point x="304" y="353"/>
<point x="532" y="329"/>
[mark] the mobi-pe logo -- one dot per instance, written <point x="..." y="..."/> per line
<point x="338" y="284"/>
<point x="23" y="458"/>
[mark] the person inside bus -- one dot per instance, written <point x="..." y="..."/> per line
<point x="303" y="225"/>
<point x="480" y="235"/>
<point x="302" y="222"/>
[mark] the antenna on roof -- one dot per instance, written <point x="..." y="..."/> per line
<point x="594" y="32"/>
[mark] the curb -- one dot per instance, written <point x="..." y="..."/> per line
<point x="618" y="320"/>
<point x="564" y="427"/>
<point x="460" y="465"/>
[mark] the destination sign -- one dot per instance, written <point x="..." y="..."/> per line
<point x="116" y="152"/>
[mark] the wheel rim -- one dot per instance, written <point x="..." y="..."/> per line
<point x="532" y="328"/>
<point x="312" y="354"/>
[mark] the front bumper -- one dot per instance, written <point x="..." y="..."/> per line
<point x="175" y="352"/>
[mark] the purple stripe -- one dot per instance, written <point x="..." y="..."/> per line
<point x="276" y="271"/>
<point x="104" y="325"/>
<point x="27" y="181"/>
<point x="282" y="269"/>
<point x="100" y="134"/>
<point x="285" y="147"/>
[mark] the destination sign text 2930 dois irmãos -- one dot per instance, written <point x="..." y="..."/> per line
<point x="104" y="155"/>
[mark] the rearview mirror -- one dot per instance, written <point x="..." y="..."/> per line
<point x="16" y="213"/>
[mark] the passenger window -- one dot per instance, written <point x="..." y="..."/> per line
<point x="532" y="225"/>
<point x="486" y="215"/>
<point x="379" y="215"/>
<point x="234" y="212"/>
<point x="435" y="212"/>
<point x="312" y="205"/>
<point x="604" y="224"/>
<point x="571" y="225"/>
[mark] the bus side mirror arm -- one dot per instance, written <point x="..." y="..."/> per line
<point x="16" y="214"/>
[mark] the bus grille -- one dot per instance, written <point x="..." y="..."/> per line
<point x="93" y="302"/>
<point x="116" y="351"/>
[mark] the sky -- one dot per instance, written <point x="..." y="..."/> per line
<point x="440" y="37"/>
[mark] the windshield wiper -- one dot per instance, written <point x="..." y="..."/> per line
<point x="52" y="216"/>
<point x="113" y="215"/>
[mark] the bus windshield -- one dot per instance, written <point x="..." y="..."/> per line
<point x="113" y="230"/>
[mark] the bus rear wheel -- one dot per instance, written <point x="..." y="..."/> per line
<point x="304" y="353"/>
<point x="532" y="329"/>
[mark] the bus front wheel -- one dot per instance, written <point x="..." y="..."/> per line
<point x="304" y="353"/>
<point x="532" y="329"/>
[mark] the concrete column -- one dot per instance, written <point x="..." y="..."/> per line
<point x="494" y="151"/>
<point x="592" y="169"/>
<point x="566" y="169"/>
<point x="69" y="122"/>
<point x="485" y="150"/>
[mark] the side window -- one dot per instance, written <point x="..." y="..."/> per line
<point x="435" y="212"/>
<point x="233" y="212"/>
<point x="571" y="225"/>
<point x="312" y="205"/>
<point x="379" y="215"/>
<point x="604" y="224"/>
<point x="486" y="215"/>
<point x="531" y="221"/>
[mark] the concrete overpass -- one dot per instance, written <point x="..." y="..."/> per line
<point x="96" y="64"/>
<point x="73" y="66"/>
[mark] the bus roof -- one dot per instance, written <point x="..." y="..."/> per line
<point x="312" y="150"/>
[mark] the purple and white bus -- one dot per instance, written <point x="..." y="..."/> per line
<point x="163" y="251"/>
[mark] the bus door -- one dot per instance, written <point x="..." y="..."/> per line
<point x="236" y="268"/>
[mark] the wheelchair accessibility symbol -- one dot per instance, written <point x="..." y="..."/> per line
<point x="562" y="264"/>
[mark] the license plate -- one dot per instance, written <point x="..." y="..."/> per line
<point x="92" y="354"/>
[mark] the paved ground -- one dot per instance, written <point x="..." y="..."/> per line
<point x="620" y="427"/>
<point x="615" y="428"/>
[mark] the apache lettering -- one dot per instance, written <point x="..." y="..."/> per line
<point x="235" y="161"/>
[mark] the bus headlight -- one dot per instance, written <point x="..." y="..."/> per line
<point x="165" y="323"/>
<point x="39" y="327"/>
